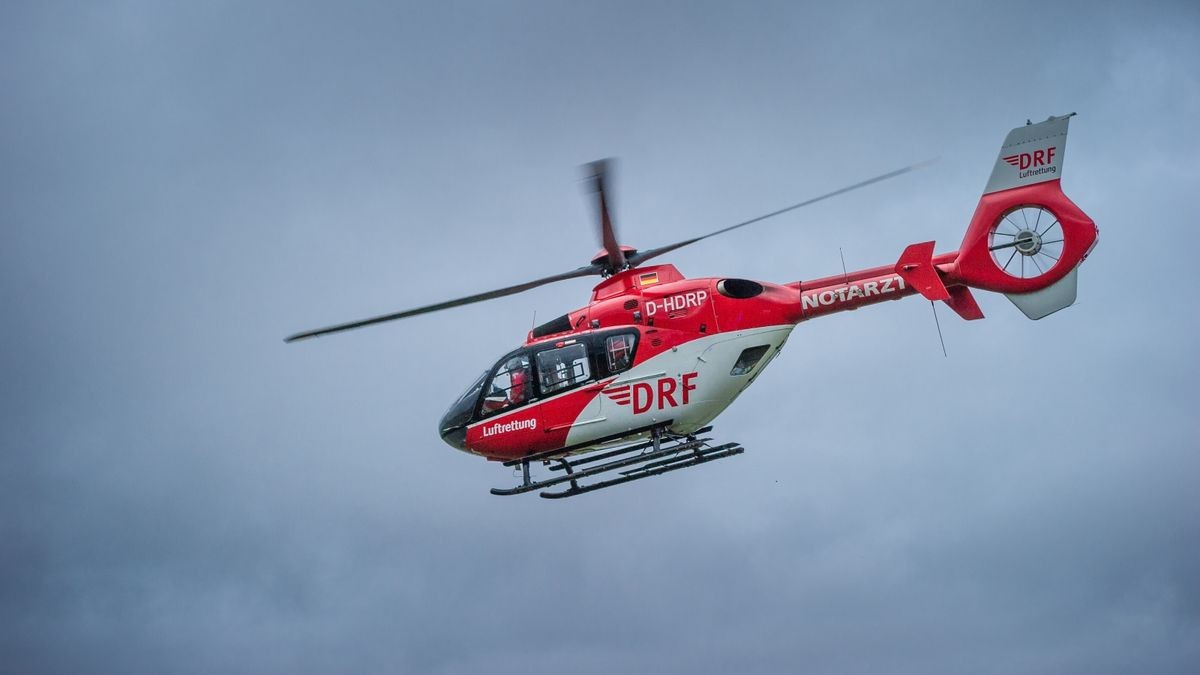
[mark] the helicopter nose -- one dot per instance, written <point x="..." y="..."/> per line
<point x="453" y="427"/>
<point x="455" y="436"/>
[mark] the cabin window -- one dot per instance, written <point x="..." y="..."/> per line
<point x="510" y="387"/>
<point x="748" y="359"/>
<point x="619" y="349"/>
<point x="563" y="368"/>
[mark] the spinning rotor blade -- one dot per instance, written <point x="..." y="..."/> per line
<point x="587" y="270"/>
<point x="615" y="262"/>
<point x="642" y="256"/>
<point x="608" y="235"/>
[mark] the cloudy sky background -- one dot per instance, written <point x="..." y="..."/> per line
<point x="184" y="184"/>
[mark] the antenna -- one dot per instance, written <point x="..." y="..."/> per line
<point x="845" y="274"/>
<point x="933" y="306"/>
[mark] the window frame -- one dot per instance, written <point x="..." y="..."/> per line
<point x="588" y="359"/>
<point x="530" y="391"/>
<point x="596" y="345"/>
<point x="630" y="349"/>
<point x="756" y="353"/>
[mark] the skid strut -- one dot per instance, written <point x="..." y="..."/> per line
<point x="662" y="453"/>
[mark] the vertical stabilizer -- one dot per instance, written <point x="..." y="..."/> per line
<point x="1031" y="154"/>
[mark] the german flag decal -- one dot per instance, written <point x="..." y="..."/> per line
<point x="648" y="278"/>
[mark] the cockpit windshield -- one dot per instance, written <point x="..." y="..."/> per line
<point x="472" y="391"/>
<point x="459" y="414"/>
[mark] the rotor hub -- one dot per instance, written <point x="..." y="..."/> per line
<point x="602" y="258"/>
<point x="1028" y="242"/>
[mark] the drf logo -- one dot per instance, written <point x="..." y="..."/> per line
<point x="1028" y="159"/>
<point x="667" y="392"/>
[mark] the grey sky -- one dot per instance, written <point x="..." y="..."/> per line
<point x="184" y="184"/>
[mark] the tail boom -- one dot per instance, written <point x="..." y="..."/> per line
<point x="845" y="292"/>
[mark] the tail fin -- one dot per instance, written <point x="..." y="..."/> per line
<point x="1026" y="239"/>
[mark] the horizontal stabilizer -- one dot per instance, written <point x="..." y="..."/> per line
<point x="963" y="303"/>
<point x="916" y="268"/>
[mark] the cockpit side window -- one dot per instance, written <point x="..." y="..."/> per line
<point x="619" y="351"/>
<point x="511" y="386"/>
<point x="563" y="368"/>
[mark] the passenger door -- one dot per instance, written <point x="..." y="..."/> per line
<point x="564" y="373"/>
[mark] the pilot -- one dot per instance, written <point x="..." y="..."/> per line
<point x="519" y="376"/>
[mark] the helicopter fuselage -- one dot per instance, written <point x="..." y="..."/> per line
<point x="694" y="345"/>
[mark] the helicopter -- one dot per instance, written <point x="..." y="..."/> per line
<point x="626" y="387"/>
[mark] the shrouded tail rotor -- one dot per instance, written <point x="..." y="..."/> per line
<point x="1027" y="239"/>
<point x="1027" y="242"/>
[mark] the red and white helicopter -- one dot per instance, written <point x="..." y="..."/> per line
<point x="625" y="387"/>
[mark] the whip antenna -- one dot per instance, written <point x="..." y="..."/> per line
<point x="939" y="328"/>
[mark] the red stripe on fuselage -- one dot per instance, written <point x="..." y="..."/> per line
<point x="536" y="427"/>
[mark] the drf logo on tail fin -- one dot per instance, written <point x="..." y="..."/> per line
<point x="666" y="392"/>
<point x="1029" y="159"/>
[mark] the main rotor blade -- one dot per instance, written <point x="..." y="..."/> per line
<point x="642" y="256"/>
<point x="608" y="235"/>
<point x="587" y="270"/>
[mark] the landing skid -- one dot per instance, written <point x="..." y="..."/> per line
<point x="663" y="453"/>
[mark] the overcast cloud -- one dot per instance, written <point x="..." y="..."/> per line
<point x="184" y="184"/>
